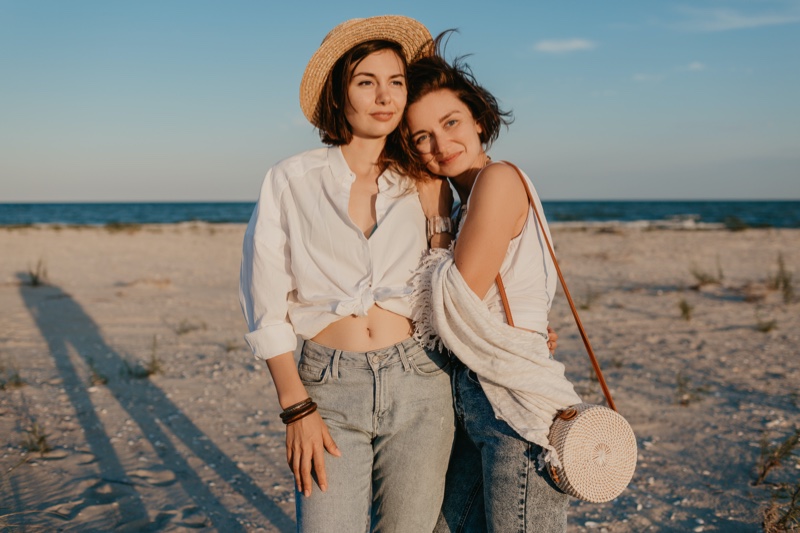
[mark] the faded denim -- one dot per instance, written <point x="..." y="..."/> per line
<point x="492" y="482"/>
<point x="390" y="411"/>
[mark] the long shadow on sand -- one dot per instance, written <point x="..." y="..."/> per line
<point x="64" y="325"/>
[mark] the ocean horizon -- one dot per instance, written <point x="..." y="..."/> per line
<point x="733" y="214"/>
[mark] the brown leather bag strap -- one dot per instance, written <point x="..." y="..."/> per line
<point x="502" y="290"/>
<point x="504" y="298"/>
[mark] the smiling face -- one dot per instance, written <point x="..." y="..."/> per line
<point x="445" y="134"/>
<point x="376" y="95"/>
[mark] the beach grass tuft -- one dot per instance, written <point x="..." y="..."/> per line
<point x="37" y="276"/>
<point x="126" y="227"/>
<point x="773" y="456"/>
<point x="782" y="281"/>
<point x="704" y="278"/>
<point x="187" y="326"/>
<point x="783" y="512"/>
<point x="765" y="326"/>
<point x="133" y="370"/>
<point x="95" y="376"/>
<point x="36" y="439"/>
<point x="754" y="292"/>
<point x="152" y="367"/>
<point x="589" y="297"/>
<point x="783" y="517"/>
<point x="231" y="346"/>
<point x="686" y="309"/>
<point x="10" y="378"/>
<point x="13" y="227"/>
<point x="734" y="223"/>
<point x="685" y="394"/>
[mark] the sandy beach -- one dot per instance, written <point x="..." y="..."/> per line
<point x="128" y="366"/>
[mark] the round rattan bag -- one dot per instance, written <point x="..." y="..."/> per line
<point x="597" y="450"/>
<point x="595" y="444"/>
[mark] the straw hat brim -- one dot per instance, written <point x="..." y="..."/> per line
<point x="411" y="35"/>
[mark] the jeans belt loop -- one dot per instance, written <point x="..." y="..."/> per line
<point x="335" y="365"/>
<point x="404" y="357"/>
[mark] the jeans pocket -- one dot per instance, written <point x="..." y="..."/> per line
<point x="429" y="363"/>
<point x="473" y="377"/>
<point x="312" y="371"/>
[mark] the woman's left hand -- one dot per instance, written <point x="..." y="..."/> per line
<point x="552" y="339"/>
<point x="435" y="196"/>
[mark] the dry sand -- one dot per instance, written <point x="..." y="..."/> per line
<point x="199" y="445"/>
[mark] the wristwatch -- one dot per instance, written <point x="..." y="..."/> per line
<point x="439" y="224"/>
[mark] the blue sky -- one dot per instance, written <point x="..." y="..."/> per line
<point x="194" y="100"/>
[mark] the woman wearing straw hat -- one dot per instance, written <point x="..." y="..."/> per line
<point x="328" y="254"/>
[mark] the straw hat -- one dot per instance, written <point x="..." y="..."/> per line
<point x="411" y="35"/>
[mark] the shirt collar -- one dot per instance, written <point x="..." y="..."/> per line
<point x="345" y="177"/>
<point x="341" y="171"/>
<point x="389" y="180"/>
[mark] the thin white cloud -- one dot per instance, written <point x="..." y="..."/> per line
<point x="696" y="66"/>
<point x="562" y="46"/>
<point x="605" y="93"/>
<point x="647" y="78"/>
<point x="711" y="20"/>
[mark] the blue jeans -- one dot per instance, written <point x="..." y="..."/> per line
<point x="390" y="411"/>
<point x="492" y="482"/>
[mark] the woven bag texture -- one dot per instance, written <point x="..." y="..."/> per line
<point x="597" y="450"/>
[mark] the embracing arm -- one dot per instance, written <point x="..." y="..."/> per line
<point x="497" y="213"/>
<point x="498" y="207"/>
<point x="436" y="198"/>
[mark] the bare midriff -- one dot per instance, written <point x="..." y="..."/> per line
<point x="379" y="329"/>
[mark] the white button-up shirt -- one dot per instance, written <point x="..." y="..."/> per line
<point x="305" y="264"/>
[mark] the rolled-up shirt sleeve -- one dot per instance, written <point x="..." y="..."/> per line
<point x="266" y="282"/>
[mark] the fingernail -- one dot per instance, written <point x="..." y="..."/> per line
<point x="324" y="488"/>
<point x="307" y="493"/>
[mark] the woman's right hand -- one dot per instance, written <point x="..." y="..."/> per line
<point x="307" y="440"/>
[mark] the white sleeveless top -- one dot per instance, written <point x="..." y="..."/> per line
<point x="528" y="273"/>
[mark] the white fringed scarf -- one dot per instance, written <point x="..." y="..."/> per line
<point x="524" y="385"/>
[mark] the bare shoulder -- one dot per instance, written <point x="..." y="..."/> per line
<point x="500" y="177"/>
<point x="500" y="182"/>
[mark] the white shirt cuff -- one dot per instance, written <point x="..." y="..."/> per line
<point x="270" y="341"/>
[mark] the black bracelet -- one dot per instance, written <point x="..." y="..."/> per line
<point x="292" y="409"/>
<point x="300" y="414"/>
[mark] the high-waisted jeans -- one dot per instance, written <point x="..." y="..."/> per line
<point x="493" y="483"/>
<point x="390" y="412"/>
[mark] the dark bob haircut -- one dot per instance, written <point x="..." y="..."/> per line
<point x="433" y="73"/>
